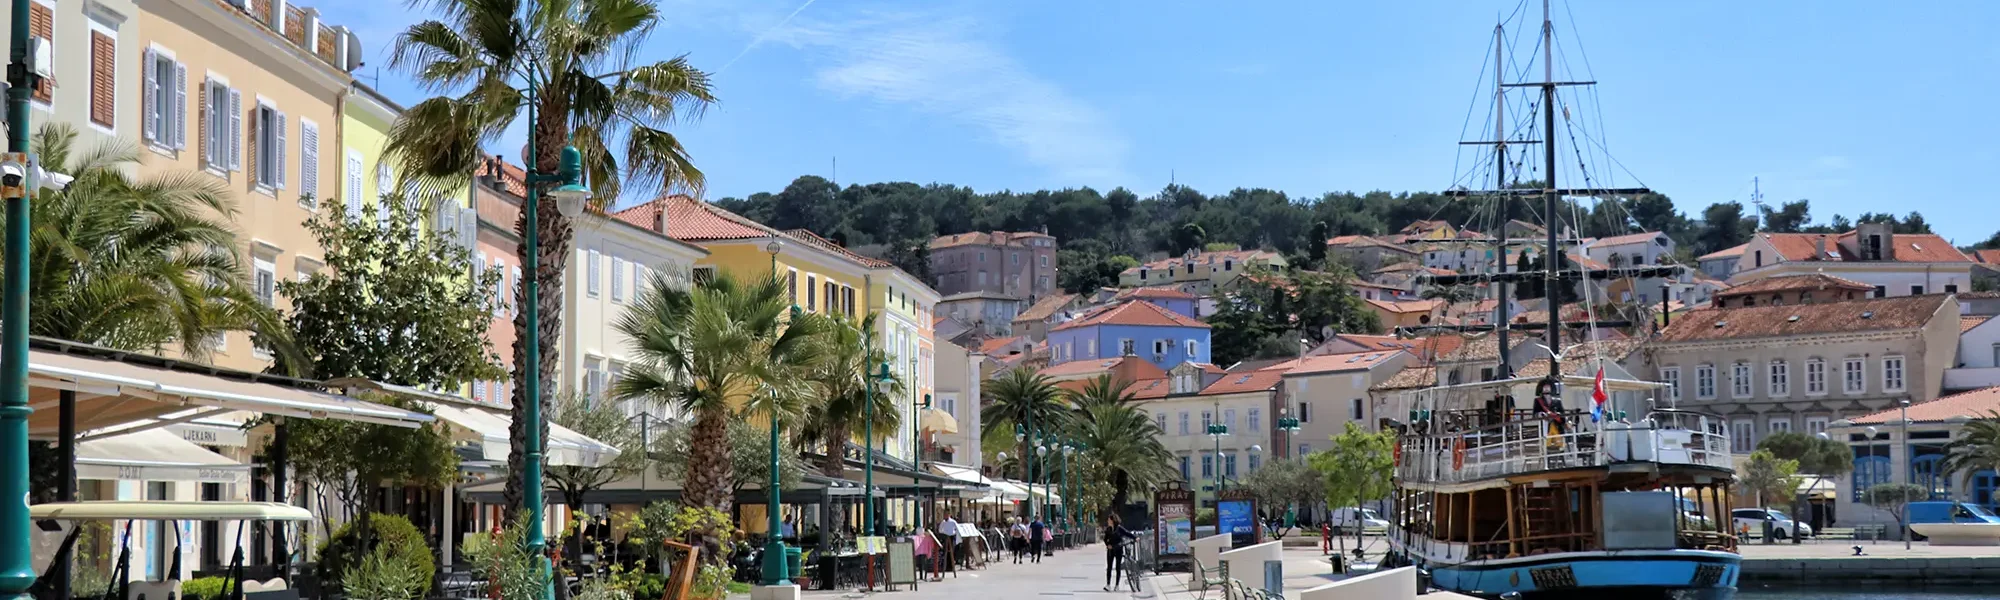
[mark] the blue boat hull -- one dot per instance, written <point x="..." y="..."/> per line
<point x="1687" y="575"/>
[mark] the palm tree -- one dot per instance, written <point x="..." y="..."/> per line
<point x="1977" y="446"/>
<point x="842" y="410"/>
<point x="1018" y="398"/>
<point x="485" y="57"/>
<point x="1101" y="390"/>
<point x="138" y="264"/>
<point x="718" y="352"/>
<point x="1119" y="437"/>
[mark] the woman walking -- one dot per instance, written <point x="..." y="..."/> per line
<point x="1116" y="539"/>
<point x="1017" y="539"/>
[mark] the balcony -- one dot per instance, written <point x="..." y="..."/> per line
<point x="1971" y="379"/>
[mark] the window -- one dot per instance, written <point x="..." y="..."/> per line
<point x="269" y="126"/>
<point x="593" y="379"/>
<point x="1229" y="465"/>
<point x="1184" y="422"/>
<point x="1305" y="449"/>
<point x="266" y="282"/>
<point x="1781" y="379"/>
<point x="1229" y="418"/>
<point x="1126" y="347"/>
<point x="1739" y="380"/>
<point x="1951" y="288"/>
<point x="1881" y="291"/>
<point x="1207" y="465"/>
<point x="1815" y="377"/>
<point x="1892" y="373"/>
<point x="1207" y="420"/>
<point x="1853" y="381"/>
<point x="812" y="296"/>
<point x="1704" y="382"/>
<point x="351" y="194"/>
<point x="1184" y="468"/>
<point x="1672" y="377"/>
<point x="1159" y="347"/>
<point x="828" y="289"/>
<point x="1255" y="424"/>
<point x="221" y="126"/>
<point x="701" y="275"/>
<point x="1160" y="421"/>
<point x="847" y="301"/>
<point x="1090" y="348"/>
<point x="103" y="75"/>
<point x="309" y="168"/>
<point x="513" y="290"/>
<point x="617" y="279"/>
<point x="1045" y="261"/>
<point x="1815" y="425"/>
<point x="590" y="273"/>
<point x="1779" y="424"/>
<point x="1254" y="463"/>
<point x="42" y="24"/>
<point x="1354" y="408"/>
<point x="163" y="117"/>
<point x="1743" y="434"/>
<point x="1916" y="290"/>
<point x="1191" y="347"/>
<point x="1305" y="416"/>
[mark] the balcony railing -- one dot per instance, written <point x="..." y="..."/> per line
<point x="1535" y="445"/>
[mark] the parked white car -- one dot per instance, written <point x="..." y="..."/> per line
<point x="1345" y="520"/>
<point x="1782" y="525"/>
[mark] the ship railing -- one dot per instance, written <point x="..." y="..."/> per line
<point x="1525" y="446"/>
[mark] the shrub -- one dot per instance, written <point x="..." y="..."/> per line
<point x="387" y="575"/>
<point x="1204" y="516"/>
<point x="504" y="560"/>
<point x="204" y="588"/>
<point x="391" y="533"/>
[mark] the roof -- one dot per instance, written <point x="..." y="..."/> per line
<point x="1130" y="367"/>
<point x="1139" y="313"/>
<point x="1155" y="292"/>
<point x="977" y="295"/>
<point x="1423" y="347"/>
<point x="1334" y="363"/>
<point x="984" y="238"/>
<point x="693" y="220"/>
<point x="1974" y="404"/>
<point x="1342" y="240"/>
<point x="1907" y="247"/>
<point x="1986" y="256"/>
<point x="995" y="345"/>
<point x="1236" y="383"/>
<point x="1486" y="348"/>
<point x="1409" y="379"/>
<point x="1149" y="389"/>
<point x="1725" y="253"/>
<point x="825" y="244"/>
<point x="1967" y="323"/>
<point x="1046" y="307"/>
<point x="1424" y="226"/>
<point x="1788" y="283"/>
<point x="1630" y="238"/>
<point x="1853" y="316"/>
<point x="1216" y="257"/>
<point x="1406" y="306"/>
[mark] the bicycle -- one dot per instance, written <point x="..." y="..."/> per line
<point x="1129" y="560"/>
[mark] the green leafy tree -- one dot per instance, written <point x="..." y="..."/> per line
<point x="1792" y="217"/>
<point x="1357" y="468"/>
<point x="1771" y="480"/>
<point x="722" y="351"/>
<point x="578" y="59"/>
<point x="1287" y="484"/>
<point x="139" y="264"/>
<point x="1825" y="458"/>
<point x="602" y="422"/>
<point x="1237" y="331"/>
<point x="749" y="456"/>
<point x="1895" y="498"/>
<point x="1189" y="237"/>
<point x="394" y="304"/>
<point x="340" y="461"/>
<point x="1316" y="244"/>
<point x="1724" y="226"/>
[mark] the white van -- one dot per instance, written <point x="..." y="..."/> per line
<point x="1345" y="520"/>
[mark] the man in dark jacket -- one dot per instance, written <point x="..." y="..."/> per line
<point x="1036" y="532"/>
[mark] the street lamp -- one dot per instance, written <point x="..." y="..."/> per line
<point x="1218" y="431"/>
<point x="868" y="420"/>
<point x="17" y="573"/>
<point x="1909" y="468"/>
<point x="1069" y="500"/>
<point x="1289" y="425"/>
<point x="569" y="196"/>
<point x="775" y="561"/>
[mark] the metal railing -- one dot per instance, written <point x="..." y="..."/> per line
<point x="1534" y="445"/>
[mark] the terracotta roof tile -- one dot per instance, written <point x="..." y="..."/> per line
<point x="1236" y="383"/>
<point x="1630" y="238"/>
<point x="1133" y="313"/>
<point x="1334" y="363"/>
<point x="1986" y="256"/>
<point x="1046" y="307"/>
<point x="1217" y="257"/>
<point x="692" y="220"/>
<point x="1876" y="314"/>
<point x="1974" y="404"/>
<point x="1083" y="367"/>
<point x="1967" y="323"/>
<point x="1725" y="253"/>
<point x="985" y="238"/>
<point x="1908" y="247"/>
<point x="1144" y="389"/>
<point x="809" y="237"/>
<point x="1409" y="379"/>
<point x="1343" y="240"/>
<point x="1155" y="292"/>
<point x="1809" y="281"/>
<point x="995" y="345"/>
<point x="1407" y="306"/>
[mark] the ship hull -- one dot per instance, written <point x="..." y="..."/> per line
<point x="1677" y="574"/>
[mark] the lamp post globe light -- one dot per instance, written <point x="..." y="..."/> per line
<point x="775" y="571"/>
<point x="570" y="196"/>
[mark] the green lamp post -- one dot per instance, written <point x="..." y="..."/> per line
<point x="868" y="428"/>
<point x="570" y="196"/>
<point x="1069" y="490"/>
<point x="775" y="562"/>
<point x="17" y="572"/>
<point x="1219" y="431"/>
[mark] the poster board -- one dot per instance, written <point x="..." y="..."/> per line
<point x="1236" y="515"/>
<point x="1173" y="518"/>
<point x="871" y="544"/>
<point x="902" y="564"/>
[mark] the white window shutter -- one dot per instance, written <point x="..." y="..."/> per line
<point x="383" y="184"/>
<point x="515" y="289"/>
<point x="447" y="222"/>
<point x="280" y="142"/>
<point x="235" y="130"/>
<point x="308" y="158"/>
<point x="149" y="115"/>
<point x="204" y="136"/>
<point x="180" y="106"/>
<point x="353" y="199"/>
<point x="468" y="228"/>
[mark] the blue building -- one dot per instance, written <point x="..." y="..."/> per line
<point x="1139" y="328"/>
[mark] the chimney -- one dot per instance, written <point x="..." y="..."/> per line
<point x="1821" y="240"/>
<point x="1876" y="241"/>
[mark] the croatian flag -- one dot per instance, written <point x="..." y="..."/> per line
<point x="1597" y="396"/>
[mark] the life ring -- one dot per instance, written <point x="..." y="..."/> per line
<point x="1458" y="455"/>
<point x="1397" y="455"/>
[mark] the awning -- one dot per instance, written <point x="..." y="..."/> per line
<point x="988" y="485"/>
<point x="118" y="388"/>
<point x="488" y="428"/>
<point x="155" y="455"/>
<point x="932" y="419"/>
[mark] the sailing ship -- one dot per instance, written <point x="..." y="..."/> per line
<point x="1573" y="483"/>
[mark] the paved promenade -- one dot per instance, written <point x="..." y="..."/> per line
<point x="1071" y="573"/>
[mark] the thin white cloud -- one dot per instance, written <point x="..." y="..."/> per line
<point x="940" y="65"/>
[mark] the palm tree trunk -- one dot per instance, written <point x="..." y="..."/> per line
<point x="551" y="254"/>
<point x="709" y="469"/>
<point x="1121" y="488"/>
<point x="833" y="463"/>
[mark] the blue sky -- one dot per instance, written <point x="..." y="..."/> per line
<point x="1858" y="106"/>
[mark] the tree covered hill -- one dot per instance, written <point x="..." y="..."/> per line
<point x="1096" y="229"/>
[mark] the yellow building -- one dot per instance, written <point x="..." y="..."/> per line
<point x="250" y="97"/>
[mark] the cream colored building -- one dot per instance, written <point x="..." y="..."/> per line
<point x="95" y="46"/>
<point x="1325" y="393"/>
<point x="250" y="98"/>
<point x="611" y="263"/>
<point x="1801" y="367"/>
<point x="1185" y="407"/>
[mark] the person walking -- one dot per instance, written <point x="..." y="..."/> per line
<point x="948" y="536"/>
<point x="1038" y="534"/>
<point x="1017" y="538"/>
<point x="1116" y="539"/>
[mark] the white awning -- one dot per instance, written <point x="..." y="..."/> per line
<point x="112" y="393"/>
<point x="994" y="487"/>
<point x="488" y="428"/>
<point x="154" y="455"/>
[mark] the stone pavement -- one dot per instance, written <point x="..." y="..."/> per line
<point x="1077" y="573"/>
